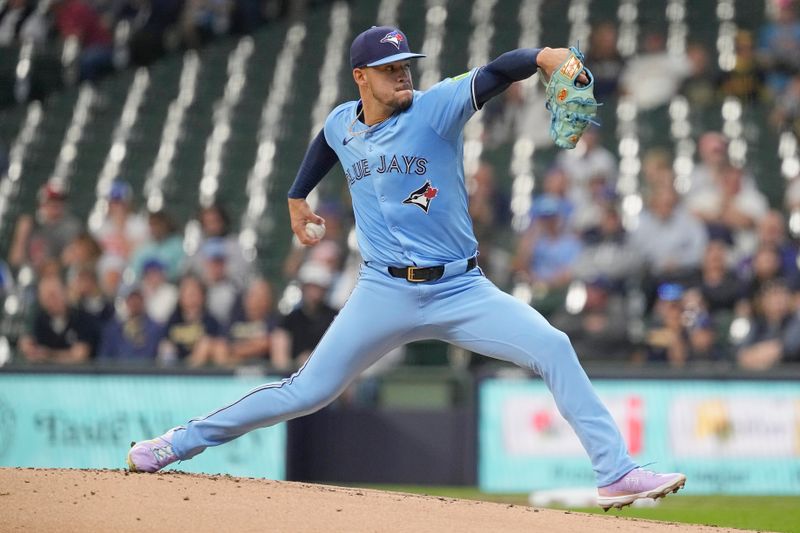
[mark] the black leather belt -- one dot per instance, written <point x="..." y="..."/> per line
<point x="423" y="274"/>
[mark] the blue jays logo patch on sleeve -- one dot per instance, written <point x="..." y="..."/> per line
<point x="394" y="37"/>
<point x="423" y="196"/>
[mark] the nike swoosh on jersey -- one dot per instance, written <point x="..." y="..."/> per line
<point x="346" y="140"/>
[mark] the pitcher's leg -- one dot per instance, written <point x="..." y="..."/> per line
<point x="372" y="322"/>
<point x="491" y="322"/>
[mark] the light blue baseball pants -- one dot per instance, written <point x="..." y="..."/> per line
<point x="385" y="312"/>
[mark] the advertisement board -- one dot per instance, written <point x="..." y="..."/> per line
<point x="89" y="421"/>
<point x="731" y="437"/>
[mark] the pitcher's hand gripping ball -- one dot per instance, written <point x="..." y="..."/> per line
<point x="572" y="107"/>
<point x="315" y="231"/>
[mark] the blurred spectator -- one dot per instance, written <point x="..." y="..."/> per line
<point x="222" y="293"/>
<point x="774" y="334"/>
<point x="653" y="77"/>
<point x="607" y="253"/>
<point x="21" y="21"/>
<point x="666" y="340"/>
<point x="730" y="208"/>
<point x="786" y="113"/>
<point x="719" y="285"/>
<point x="501" y="115"/>
<point x="712" y="148"/>
<point x="130" y="335"/>
<point x="699" y="87"/>
<point x="82" y="252"/>
<point x="6" y="280"/>
<point x="191" y="334"/>
<point x="547" y="253"/>
<point x="301" y="330"/>
<point x="771" y="232"/>
<point x="589" y="160"/>
<point x="763" y="268"/>
<point x="160" y="295"/>
<point x="110" y="270"/>
<point x="165" y="245"/>
<point x="489" y="210"/>
<point x="657" y="170"/>
<point x="598" y="328"/>
<point x="778" y="44"/>
<point x="250" y="332"/>
<point x="203" y="20"/>
<point x="557" y="185"/>
<point x="702" y="343"/>
<point x="605" y="60"/>
<point x="44" y="236"/>
<point x="670" y="239"/>
<point x="215" y="224"/>
<point x="122" y="230"/>
<point x="746" y="80"/>
<point x="77" y="18"/>
<point x="59" y="333"/>
<point x="153" y="24"/>
<point x="86" y="295"/>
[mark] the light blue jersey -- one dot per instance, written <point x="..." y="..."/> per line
<point x="409" y="198"/>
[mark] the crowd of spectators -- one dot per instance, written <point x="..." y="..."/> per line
<point x="705" y="273"/>
<point x="152" y="27"/>
<point x="127" y="291"/>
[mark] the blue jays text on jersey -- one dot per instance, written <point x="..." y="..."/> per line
<point x="406" y="176"/>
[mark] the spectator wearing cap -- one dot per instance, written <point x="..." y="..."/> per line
<point x="301" y="330"/>
<point x="215" y="224"/>
<point x="164" y="244"/>
<point x="160" y="295"/>
<point x="774" y="334"/>
<point x="58" y="333"/>
<point x="122" y="230"/>
<point x="547" y="253"/>
<point x="250" y="332"/>
<point x="597" y="323"/>
<point x="45" y="236"/>
<point x="192" y="335"/>
<point x="666" y="340"/>
<point x="222" y="293"/>
<point x="131" y="335"/>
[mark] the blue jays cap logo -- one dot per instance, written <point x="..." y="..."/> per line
<point x="380" y="45"/>
<point x="394" y="37"/>
<point x="422" y="197"/>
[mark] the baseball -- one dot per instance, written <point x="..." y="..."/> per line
<point x="315" y="231"/>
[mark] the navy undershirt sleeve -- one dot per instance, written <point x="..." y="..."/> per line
<point x="318" y="161"/>
<point x="495" y="77"/>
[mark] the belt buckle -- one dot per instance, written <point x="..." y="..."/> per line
<point x="410" y="275"/>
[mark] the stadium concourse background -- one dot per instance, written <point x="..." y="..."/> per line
<point x="439" y="418"/>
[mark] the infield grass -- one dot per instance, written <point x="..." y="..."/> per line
<point x="762" y="513"/>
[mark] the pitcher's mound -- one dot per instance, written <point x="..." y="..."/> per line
<point x="114" y="500"/>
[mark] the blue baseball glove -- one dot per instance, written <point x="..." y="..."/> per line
<point x="572" y="106"/>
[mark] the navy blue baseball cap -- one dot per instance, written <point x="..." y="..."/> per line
<point x="380" y="45"/>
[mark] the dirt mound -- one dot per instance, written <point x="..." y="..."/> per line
<point x="114" y="500"/>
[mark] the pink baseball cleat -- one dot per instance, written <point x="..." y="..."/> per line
<point x="638" y="484"/>
<point x="152" y="455"/>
